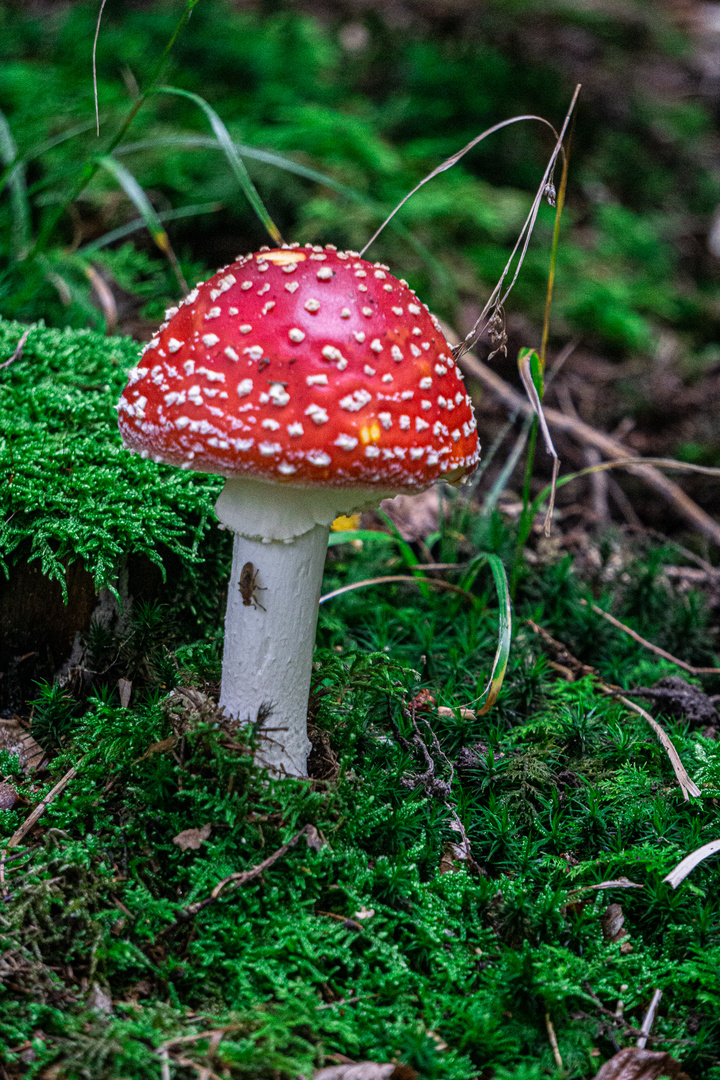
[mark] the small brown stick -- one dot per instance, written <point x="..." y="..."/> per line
<point x="553" y="1041"/>
<point x="649" y="1020"/>
<point x="437" y="582"/>
<point x="236" y="881"/>
<point x="687" y="785"/>
<point x="18" y="351"/>
<point x="609" y="446"/>
<point x="41" y="807"/>
<point x="648" y="644"/>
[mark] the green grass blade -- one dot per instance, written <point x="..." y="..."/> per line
<point x="18" y="191"/>
<point x="235" y="161"/>
<point x="135" y="193"/>
<point x="42" y="148"/>
<point x="502" y="652"/>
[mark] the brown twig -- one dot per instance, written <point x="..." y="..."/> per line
<point x="687" y="784"/>
<point x="41" y="807"/>
<point x="649" y="1020"/>
<point x="609" y="446"/>
<point x="235" y="881"/>
<point x="648" y="644"/>
<point x="18" y="351"/>
<point x="553" y="1041"/>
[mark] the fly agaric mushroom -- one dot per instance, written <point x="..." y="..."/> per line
<point x="316" y="383"/>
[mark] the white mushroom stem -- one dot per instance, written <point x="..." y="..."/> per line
<point x="267" y="660"/>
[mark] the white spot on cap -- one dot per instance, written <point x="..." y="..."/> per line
<point x="232" y="311"/>
<point x="243" y="444"/>
<point x="174" y="345"/>
<point x="387" y="288"/>
<point x="316" y="457"/>
<point x="278" y="394"/>
<point x="372" y="451"/>
<point x="369" y="370"/>
<point x="376" y="345"/>
<point x="295" y="429"/>
<point x="289" y="268"/>
<point x="426" y="383"/>
<point x="212" y="376"/>
<point x="324" y="273"/>
<point x="417" y="331"/>
<point x="267" y="449"/>
<point x="420" y="424"/>
<point x="355" y="401"/>
<point x="318" y="415"/>
<point x="213" y="313"/>
<point x="406" y="395"/>
<point x="254" y="352"/>
<point x="182" y="422"/>
<point x="345" y="313"/>
<point x="367" y="311"/>
<point x="286" y="468"/>
<point x="440" y="369"/>
<point x="387" y="378"/>
<point x="245" y="387"/>
<point x="296" y="335"/>
<point x="262" y="267"/>
<point x="175" y="398"/>
<point x="316" y="380"/>
<point x="230" y="353"/>
<point x="455" y="434"/>
<point x="414" y="309"/>
<point x="346" y="442"/>
<point x="380" y="274"/>
<point x="268" y="307"/>
<point x="210" y="339"/>
<point x="385" y="419"/>
<point x="292" y="286"/>
<point x="397" y="310"/>
<point x="359" y="335"/>
<point x="417" y="452"/>
<point x="312" y="305"/>
<point x="189" y="367"/>
<point x="246" y="285"/>
<point x="265" y="288"/>
<point x="414" y="349"/>
<point x="396" y="353"/>
<point x="404" y="422"/>
<point x="426" y="404"/>
<point x="361" y="273"/>
<point x="271" y="424"/>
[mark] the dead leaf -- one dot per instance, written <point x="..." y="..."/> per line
<point x="465" y="714"/>
<point x="452" y="858"/>
<point x="8" y="796"/>
<point x="192" y="838"/>
<point x="612" y="923"/>
<point x="366" y="1070"/>
<point x="124" y="690"/>
<point x="421" y="703"/>
<point x="160" y="747"/>
<point x="635" y="1064"/>
<point x="313" y="839"/>
<point x="99" y="999"/>
<point x="415" y="516"/>
<point x="16" y="740"/>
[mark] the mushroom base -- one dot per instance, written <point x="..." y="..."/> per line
<point x="270" y="626"/>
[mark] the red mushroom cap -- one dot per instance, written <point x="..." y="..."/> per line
<point x="303" y="365"/>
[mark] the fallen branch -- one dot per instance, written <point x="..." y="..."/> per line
<point x="609" y="446"/>
<point x="648" y="644"/>
<point x="40" y="809"/>
<point x="689" y="863"/>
